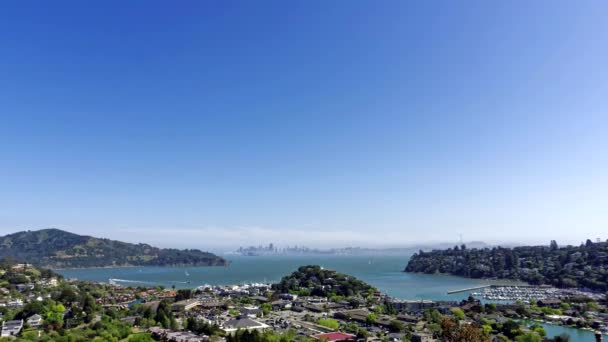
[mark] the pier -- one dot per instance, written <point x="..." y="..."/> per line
<point x="470" y="289"/>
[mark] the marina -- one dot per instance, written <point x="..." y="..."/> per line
<point x="529" y="292"/>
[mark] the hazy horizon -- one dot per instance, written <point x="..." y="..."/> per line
<point x="246" y="238"/>
<point x="225" y="124"/>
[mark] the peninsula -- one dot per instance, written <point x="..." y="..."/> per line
<point x="584" y="266"/>
<point x="55" y="248"/>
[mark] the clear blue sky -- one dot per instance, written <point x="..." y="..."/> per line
<point x="223" y="123"/>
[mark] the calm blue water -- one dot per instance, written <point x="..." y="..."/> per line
<point x="383" y="272"/>
<point x="576" y="335"/>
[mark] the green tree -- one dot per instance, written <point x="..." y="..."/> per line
<point x="328" y="322"/>
<point x="54" y="316"/>
<point x="458" y="313"/>
<point x="529" y="337"/>
<point x="266" y="307"/>
<point x="164" y="316"/>
<point x="397" y="326"/>
<point x="141" y="338"/>
<point x="89" y="307"/>
<point x="371" y="318"/>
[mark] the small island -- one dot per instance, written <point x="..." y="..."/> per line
<point x="56" y="249"/>
<point x="584" y="266"/>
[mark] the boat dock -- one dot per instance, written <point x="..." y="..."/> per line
<point x="470" y="289"/>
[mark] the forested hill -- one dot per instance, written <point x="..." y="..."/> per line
<point x="580" y="266"/>
<point x="54" y="248"/>
<point x="317" y="281"/>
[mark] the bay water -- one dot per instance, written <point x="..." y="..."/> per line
<point x="383" y="272"/>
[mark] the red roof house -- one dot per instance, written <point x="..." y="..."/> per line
<point x="335" y="337"/>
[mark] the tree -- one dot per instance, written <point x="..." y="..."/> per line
<point x="54" y="317"/>
<point x="458" y="313"/>
<point x="164" y="316"/>
<point x="553" y="245"/>
<point x="529" y="337"/>
<point x="89" y="307"/>
<point x="451" y="331"/>
<point x="371" y="318"/>
<point x="397" y="326"/>
<point x="328" y="322"/>
<point x="362" y="334"/>
<point x="470" y="333"/>
<point x="67" y="296"/>
<point x="31" y="308"/>
<point x="141" y="338"/>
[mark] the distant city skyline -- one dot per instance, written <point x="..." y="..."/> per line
<point x="345" y="123"/>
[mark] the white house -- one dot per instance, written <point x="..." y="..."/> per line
<point x="11" y="328"/>
<point x="35" y="321"/>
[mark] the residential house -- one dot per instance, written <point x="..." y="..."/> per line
<point x="251" y="311"/>
<point x="233" y="325"/>
<point x="185" y="305"/>
<point x="11" y="328"/>
<point x="281" y="305"/>
<point x="334" y="337"/>
<point x="34" y="321"/>
<point x="550" y="302"/>
<point x="421" y="337"/>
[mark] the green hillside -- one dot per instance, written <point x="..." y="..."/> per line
<point x="55" y="248"/>
<point x="317" y="281"/>
<point x="570" y="266"/>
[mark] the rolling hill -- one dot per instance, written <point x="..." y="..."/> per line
<point x="55" y="248"/>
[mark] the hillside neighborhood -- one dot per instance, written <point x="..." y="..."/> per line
<point x="311" y="304"/>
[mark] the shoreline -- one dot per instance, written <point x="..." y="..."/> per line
<point x="129" y="266"/>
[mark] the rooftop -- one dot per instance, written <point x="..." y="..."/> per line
<point x="335" y="336"/>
